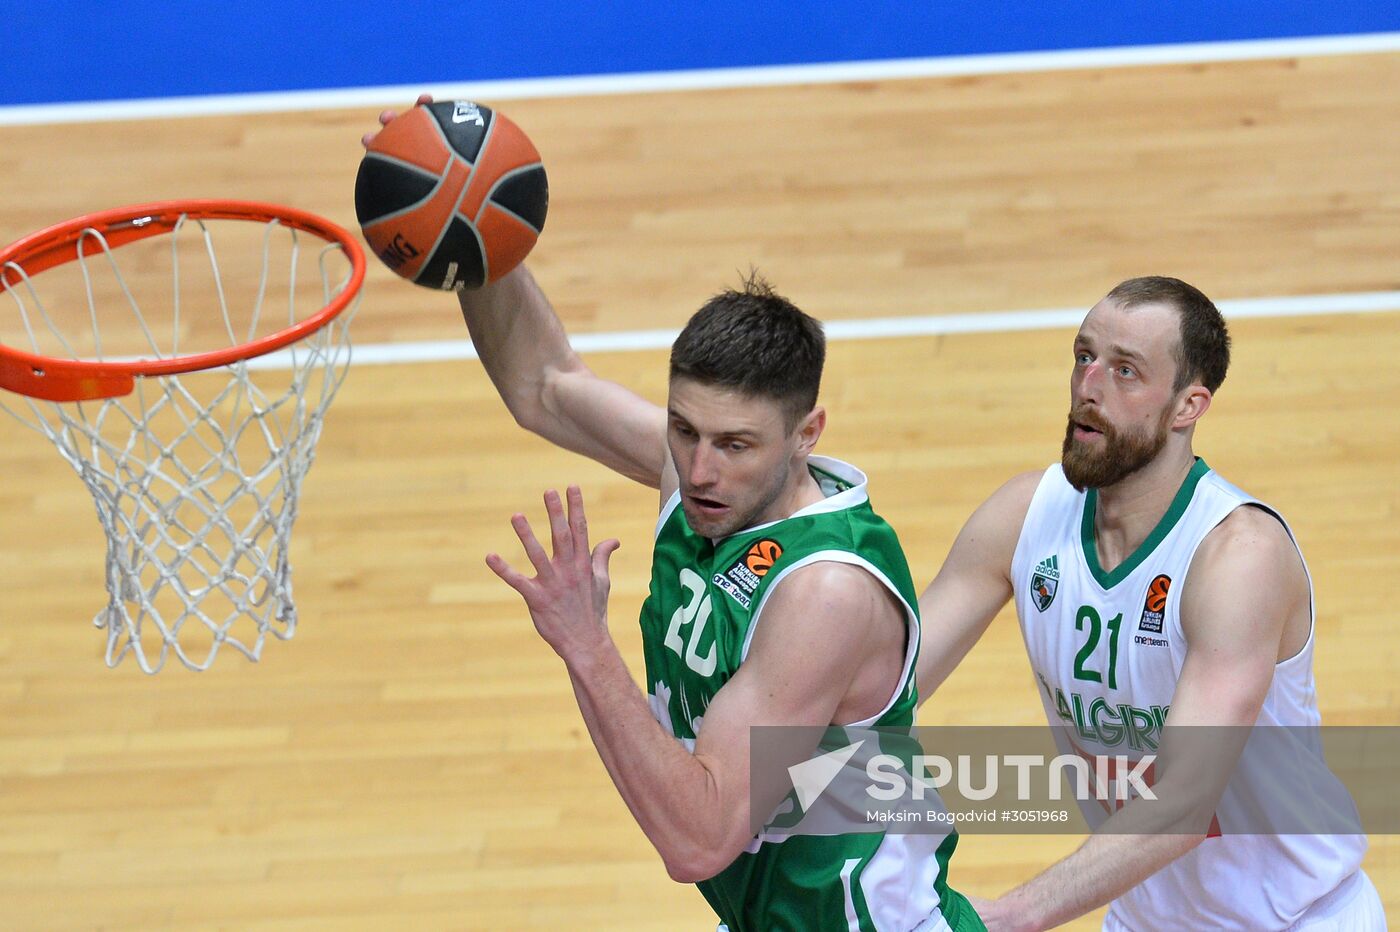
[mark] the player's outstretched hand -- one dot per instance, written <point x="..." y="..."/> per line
<point x="387" y="116"/>
<point x="568" y="598"/>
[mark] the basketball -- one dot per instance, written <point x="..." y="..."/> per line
<point x="451" y="195"/>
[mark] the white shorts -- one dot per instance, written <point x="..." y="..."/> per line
<point x="1352" y="906"/>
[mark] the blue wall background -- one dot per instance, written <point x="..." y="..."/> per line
<point x="66" y="50"/>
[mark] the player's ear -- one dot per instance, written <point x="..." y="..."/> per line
<point x="810" y="428"/>
<point x="1194" y="402"/>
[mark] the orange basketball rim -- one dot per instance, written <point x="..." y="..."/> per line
<point x="59" y="379"/>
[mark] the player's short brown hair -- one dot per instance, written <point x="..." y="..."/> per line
<point x="1203" y="351"/>
<point x="755" y="341"/>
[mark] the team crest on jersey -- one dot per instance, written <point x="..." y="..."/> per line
<point x="741" y="580"/>
<point x="1154" y="607"/>
<point x="1045" y="579"/>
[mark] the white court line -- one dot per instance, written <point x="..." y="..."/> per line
<point x="1368" y="302"/>
<point x="656" y="81"/>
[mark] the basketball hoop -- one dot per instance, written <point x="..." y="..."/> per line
<point x="156" y="386"/>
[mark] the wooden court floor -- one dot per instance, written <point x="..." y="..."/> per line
<point x="413" y="757"/>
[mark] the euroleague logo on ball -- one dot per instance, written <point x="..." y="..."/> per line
<point x="451" y="195"/>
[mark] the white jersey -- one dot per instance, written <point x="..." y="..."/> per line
<point x="1107" y="649"/>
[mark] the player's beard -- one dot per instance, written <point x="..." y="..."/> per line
<point x="1122" y="453"/>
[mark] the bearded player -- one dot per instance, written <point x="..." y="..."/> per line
<point x="1155" y="595"/>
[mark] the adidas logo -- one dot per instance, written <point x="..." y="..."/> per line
<point x="1045" y="580"/>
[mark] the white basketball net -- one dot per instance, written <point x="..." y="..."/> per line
<point x="196" y="477"/>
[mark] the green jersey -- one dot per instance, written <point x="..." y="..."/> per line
<point x="706" y="598"/>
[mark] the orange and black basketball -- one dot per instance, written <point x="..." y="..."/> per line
<point x="451" y="195"/>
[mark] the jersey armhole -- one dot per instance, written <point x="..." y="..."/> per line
<point x="1306" y="647"/>
<point x="1307" y="577"/>
<point x="666" y="510"/>
<point x="911" y="621"/>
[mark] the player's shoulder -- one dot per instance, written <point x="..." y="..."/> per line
<point x="1251" y="542"/>
<point x="1013" y="498"/>
<point x="828" y="581"/>
<point x="1022" y="486"/>
<point x="1249" y="527"/>
<point x="828" y="589"/>
<point x="989" y="537"/>
<point x="1245" y="581"/>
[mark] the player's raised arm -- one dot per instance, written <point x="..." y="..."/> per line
<point x="550" y="391"/>
<point x="520" y="340"/>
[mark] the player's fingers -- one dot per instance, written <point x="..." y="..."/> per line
<point x="558" y="526"/>
<point x="578" y="520"/>
<point x="601" y="555"/>
<point x="509" y="574"/>
<point x="538" y="558"/>
<point x="387" y="116"/>
<point x="423" y="99"/>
